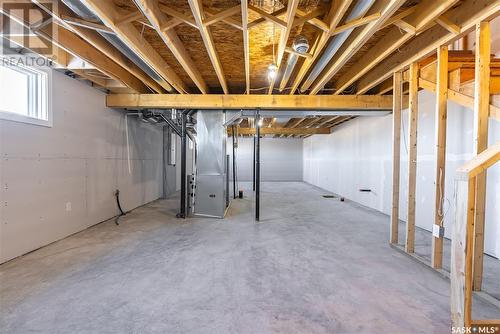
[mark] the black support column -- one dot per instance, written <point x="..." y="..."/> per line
<point x="257" y="168"/>
<point x="182" y="213"/>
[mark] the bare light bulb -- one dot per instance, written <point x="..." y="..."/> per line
<point x="272" y="71"/>
<point x="259" y="123"/>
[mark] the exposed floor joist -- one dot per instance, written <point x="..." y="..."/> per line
<point x="466" y="15"/>
<point x="126" y="31"/>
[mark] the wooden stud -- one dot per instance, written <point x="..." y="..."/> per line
<point x="85" y="24"/>
<point x="313" y="20"/>
<point x="206" y="35"/>
<point x="396" y="156"/>
<point x="398" y="17"/>
<point x="412" y="158"/>
<point x="130" y="17"/>
<point x="440" y="138"/>
<point x="243" y="101"/>
<point x="172" y="12"/>
<point x="403" y="25"/>
<point x="460" y="98"/>
<point x="152" y="11"/>
<point x="262" y="19"/>
<point x="481" y="111"/>
<point x="309" y="17"/>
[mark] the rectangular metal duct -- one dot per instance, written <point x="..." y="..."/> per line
<point x="210" y="198"/>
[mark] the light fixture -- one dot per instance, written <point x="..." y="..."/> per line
<point x="272" y="71"/>
<point x="260" y="123"/>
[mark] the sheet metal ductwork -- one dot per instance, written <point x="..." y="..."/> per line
<point x="357" y="12"/>
<point x="85" y="13"/>
<point x="211" y="164"/>
<point x="300" y="45"/>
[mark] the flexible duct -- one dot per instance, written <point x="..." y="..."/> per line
<point x="357" y="12"/>
<point x="85" y="13"/>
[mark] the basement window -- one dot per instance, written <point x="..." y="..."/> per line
<point x="24" y="94"/>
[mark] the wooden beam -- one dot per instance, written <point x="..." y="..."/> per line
<point x="269" y="17"/>
<point x="130" y="17"/>
<point x="338" y="9"/>
<point x="412" y="158"/>
<point x="206" y="35"/>
<point x="312" y="20"/>
<point x="152" y="11"/>
<point x="309" y="17"/>
<point x="305" y="55"/>
<point x="85" y="24"/>
<point x="481" y="111"/>
<point x="355" y="23"/>
<point x="284" y="34"/>
<point x="228" y="20"/>
<point x="222" y="15"/>
<point x="444" y="22"/>
<point x="392" y="40"/>
<point x="283" y="131"/>
<point x="246" y="43"/>
<point x="107" y="12"/>
<point x="403" y="25"/>
<point x="396" y="156"/>
<point x="262" y="19"/>
<point x="425" y="43"/>
<point x="440" y="139"/>
<point x="243" y="101"/>
<point x="172" y="12"/>
<point x="356" y="41"/>
<point x="398" y="17"/>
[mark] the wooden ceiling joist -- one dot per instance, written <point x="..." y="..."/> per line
<point x="152" y="11"/>
<point x="356" y="41"/>
<point x="337" y="11"/>
<point x="246" y="43"/>
<point x="243" y="101"/>
<point x="222" y="15"/>
<point x="393" y="40"/>
<point x="269" y="17"/>
<point x="97" y="41"/>
<point x="284" y="34"/>
<point x="108" y="13"/>
<point x="199" y="17"/>
<point x="466" y="15"/>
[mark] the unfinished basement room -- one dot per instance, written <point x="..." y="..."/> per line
<point x="250" y="166"/>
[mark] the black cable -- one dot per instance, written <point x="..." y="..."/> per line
<point x="122" y="213"/>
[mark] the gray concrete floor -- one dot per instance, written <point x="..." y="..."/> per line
<point x="312" y="265"/>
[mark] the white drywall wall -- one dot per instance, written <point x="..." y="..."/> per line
<point x="60" y="180"/>
<point x="358" y="154"/>
<point x="281" y="159"/>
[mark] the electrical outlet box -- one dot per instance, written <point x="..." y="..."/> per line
<point x="68" y="206"/>
<point x="437" y="231"/>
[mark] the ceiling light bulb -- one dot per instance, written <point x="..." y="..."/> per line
<point x="272" y="71"/>
<point x="259" y="123"/>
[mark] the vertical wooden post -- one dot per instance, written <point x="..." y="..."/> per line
<point x="396" y="150"/>
<point x="461" y="253"/>
<point x="412" y="157"/>
<point x="441" y="115"/>
<point x="481" y="112"/>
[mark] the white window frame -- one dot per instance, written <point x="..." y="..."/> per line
<point x="33" y="108"/>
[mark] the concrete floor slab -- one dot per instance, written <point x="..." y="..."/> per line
<point x="312" y="265"/>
